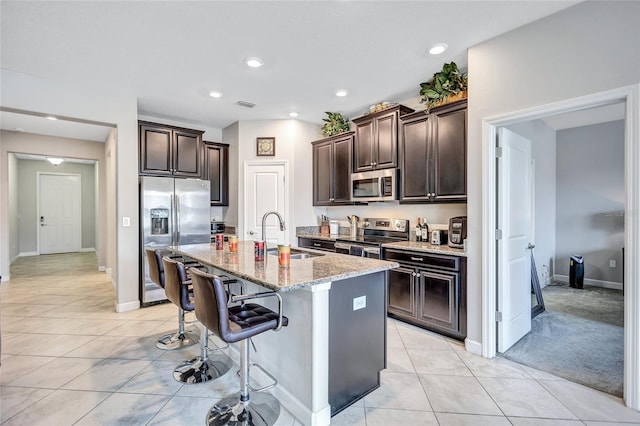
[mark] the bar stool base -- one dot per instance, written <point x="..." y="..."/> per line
<point x="177" y="341"/>
<point x="263" y="409"/>
<point x="197" y="370"/>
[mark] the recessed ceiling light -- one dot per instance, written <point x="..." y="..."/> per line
<point x="438" y="48"/>
<point x="341" y="93"/>
<point x="293" y="114"/>
<point x="51" y="117"/>
<point x="215" y="94"/>
<point x="254" y="62"/>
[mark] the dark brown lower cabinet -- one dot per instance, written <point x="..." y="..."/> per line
<point x="429" y="290"/>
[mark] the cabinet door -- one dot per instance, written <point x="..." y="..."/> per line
<point x="438" y="299"/>
<point x="386" y="141"/>
<point x="401" y="292"/>
<point x="155" y="150"/>
<point x="363" y="147"/>
<point x="322" y="173"/>
<point x="449" y="145"/>
<point x="186" y="154"/>
<point x="414" y="143"/>
<point x="342" y="158"/>
<point x="217" y="172"/>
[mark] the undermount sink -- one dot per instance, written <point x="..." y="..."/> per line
<point x="295" y="254"/>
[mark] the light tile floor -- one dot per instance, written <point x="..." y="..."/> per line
<point x="68" y="358"/>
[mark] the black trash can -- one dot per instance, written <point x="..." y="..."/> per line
<point x="576" y="271"/>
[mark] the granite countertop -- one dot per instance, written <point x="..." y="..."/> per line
<point x="426" y="248"/>
<point x="301" y="273"/>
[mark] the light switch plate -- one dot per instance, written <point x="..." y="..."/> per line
<point x="612" y="263"/>
<point x="126" y="221"/>
<point x="359" y="303"/>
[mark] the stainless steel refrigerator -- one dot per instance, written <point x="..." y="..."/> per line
<point x="173" y="211"/>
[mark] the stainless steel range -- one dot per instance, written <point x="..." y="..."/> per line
<point x="376" y="231"/>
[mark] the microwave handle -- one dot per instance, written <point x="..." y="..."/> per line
<point x="381" y="184"/>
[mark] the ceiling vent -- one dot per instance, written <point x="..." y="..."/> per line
<point x="246" y="104"/>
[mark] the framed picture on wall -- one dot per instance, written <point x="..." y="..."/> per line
<point x="265" y="147"/>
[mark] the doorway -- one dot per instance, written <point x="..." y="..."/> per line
<point x="627" y="95"/>
<point x="265" y="190"/>
<point x="59" y="213"/>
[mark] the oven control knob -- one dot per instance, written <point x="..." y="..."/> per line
<point x="366" y="224"/>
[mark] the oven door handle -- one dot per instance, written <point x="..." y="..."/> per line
<point x="342" y="246"/>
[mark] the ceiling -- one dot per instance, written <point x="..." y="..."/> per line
<point x="34" y="157"/>
<point x="40" y="125"/>
<point x="171" y="54"/>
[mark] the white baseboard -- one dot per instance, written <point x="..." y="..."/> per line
<point x="5" y="278"/>
<point x="593" y="283"/>
<point x="102" y="268"/>
<point x="107" y="271"/>
<point x="129" y="306"/>
<point x="28" y="253"/>
<point x="87" y="249"/>
<point x="14" y="259"/>
<point x="473" y="346"/>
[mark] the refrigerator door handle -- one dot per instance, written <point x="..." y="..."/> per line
<point x="177" y="220"/>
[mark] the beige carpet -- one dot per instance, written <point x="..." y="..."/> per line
<point x="578" y="337"/>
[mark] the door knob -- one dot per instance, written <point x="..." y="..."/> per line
<point x="251" y="233"/>
<point x="531" y="246"/>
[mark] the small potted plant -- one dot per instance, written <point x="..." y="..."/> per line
<point x="334" y="123"/>
<point x="446" y="86"/>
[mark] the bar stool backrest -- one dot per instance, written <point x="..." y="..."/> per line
<point x="211" y="303"/>
<point x="156" y="270"/>
<point x="174" y="275"/>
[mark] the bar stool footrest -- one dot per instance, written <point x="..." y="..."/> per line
<point x="177" y="340"/>
<point x="263" y="388"/>
<point x="260" y="409"/>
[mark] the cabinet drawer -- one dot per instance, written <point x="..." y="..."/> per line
<point x="429" y="260"/>
<point x="317" y="244"/>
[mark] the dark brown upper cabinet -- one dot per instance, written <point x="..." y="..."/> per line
<point x="376" y="139"/>
<point x="169" y="151"/>
<point x="433" y="155"/>
<point x="216" y="158"/>
<point x="332" y="160"/>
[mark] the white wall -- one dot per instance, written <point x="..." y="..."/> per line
<point x="590" y="199"/>
<point x="585" y="49"/>
<point x="292" y="145"/>
<point x="543" y="152"/>
<point x="30" y="93"/>
<point x="14" y="221"/>
<point x="231" y="135"/>
<point x="108" y="203"/>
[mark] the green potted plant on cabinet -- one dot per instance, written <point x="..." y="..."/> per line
<point x="446" y="86"/>
<point x="334" y="123"/>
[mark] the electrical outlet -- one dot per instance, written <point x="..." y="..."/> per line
<point x="126" y="221"/>
<point x="359" y="302"/>
<point x="612" y="263"/>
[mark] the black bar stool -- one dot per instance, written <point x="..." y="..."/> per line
<point x="181" y="338"/>
<point x="202" y="368"/>
<point x="237" y="324"/>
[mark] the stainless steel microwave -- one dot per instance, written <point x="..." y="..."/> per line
<point x="377" y="185"/>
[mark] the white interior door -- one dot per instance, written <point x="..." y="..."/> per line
<point x="59" y="221"/>
<point x="265" y="191"/>
<point x="514" y="220"/>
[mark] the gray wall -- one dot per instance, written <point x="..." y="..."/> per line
<point x="585" y="49"/>
<point x="28" y="199"/>
<point x="543" y="152"/>
<point x="14" y="229"/>
<point x="590" y="199"/>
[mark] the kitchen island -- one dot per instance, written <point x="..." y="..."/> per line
<point x="331" y="353"/>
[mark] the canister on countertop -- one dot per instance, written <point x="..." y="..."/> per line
<point x="233" y="244"/>
<point x="284" y="255"/>
<point x="219" y="241"/>
<point x="334" y="227"/>
<point x="258" y="250"/>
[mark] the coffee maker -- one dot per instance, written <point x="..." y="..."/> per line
<point x="457" y="231"/>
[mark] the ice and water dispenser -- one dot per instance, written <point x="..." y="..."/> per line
<point x="159" y="221"/>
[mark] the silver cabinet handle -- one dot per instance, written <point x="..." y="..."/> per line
<point x="317" y="244"/>
<point x="417" y="259"/>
